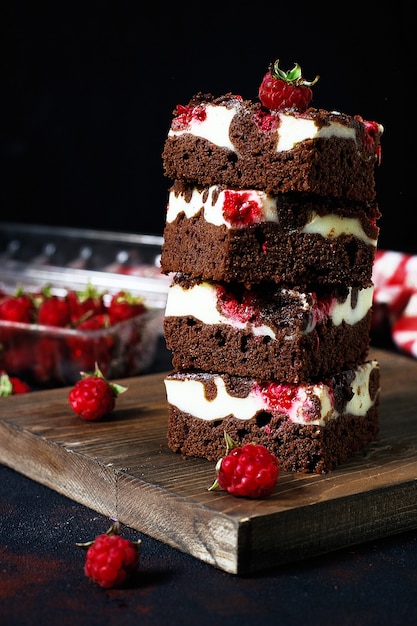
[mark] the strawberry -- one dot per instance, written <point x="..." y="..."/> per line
<point x="97" y="321"/>
<point x="87" y="349"/>
<point x="84" y="304"/>
<point x="123" y="306"/>
<point x="18" y="307"/>
<point x="111" y="560"/>
<point x="54" y="311"/>
<point x="93" y="396"/>
<point x="12" y="385"/>
<point x="15" y="353"/>
<point x="249" y="471"/>
<point x="47" y="356"/>
<point x="281" y="90"/>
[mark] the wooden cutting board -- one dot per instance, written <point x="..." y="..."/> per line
<point x="122" y="468"/>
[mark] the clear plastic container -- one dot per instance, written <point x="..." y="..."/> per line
<point x="32" y="254"/>
<point x="47" y="356"/>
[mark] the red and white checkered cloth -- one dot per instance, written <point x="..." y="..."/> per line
<point x="395" y="281"/>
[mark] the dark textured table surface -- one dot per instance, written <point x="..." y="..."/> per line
<point x="42" y="579"/>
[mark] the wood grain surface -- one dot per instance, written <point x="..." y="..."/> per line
<point x="122" y="467"/>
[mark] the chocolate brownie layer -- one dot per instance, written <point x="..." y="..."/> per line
<point x="195" y="345"/>
<point x="268" y="333"/>
<point x="264" y="252"/>
<point x="336" y="156"/>
<point x="299" y="447"/>
<point x="309" y="428"/>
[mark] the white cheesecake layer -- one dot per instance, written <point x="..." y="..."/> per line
<point x="310" y="404"/>
<point x="201" y="301"/>
<point x="263" y="209"/>
<point x="291" y="129"/>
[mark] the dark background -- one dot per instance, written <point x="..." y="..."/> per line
<point x="87" y="93"/>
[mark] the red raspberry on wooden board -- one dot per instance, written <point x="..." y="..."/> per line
<point x="93" y="396"/>
<point x="249" y="471"/>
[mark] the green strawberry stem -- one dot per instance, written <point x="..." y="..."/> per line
<point x="6" y="387"/>
<point x="90" y="291"/>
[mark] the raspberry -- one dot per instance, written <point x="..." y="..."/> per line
<point x="265" y="121"/>
<point x="239" y="209"/>
<point x="184" y="115"/>
<point x="242" y="309"/>
<point x="93" y="396"/>
<point x="280" y="90"/>
<point x="249" y="471"/>
<point x="371" y="138"/>
<point x="280" y="396"/>
<point x="111" y="559"/>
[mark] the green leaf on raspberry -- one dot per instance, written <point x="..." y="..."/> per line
<point x="230" y="444"/>
<point x="115" y="387"/>
<point x="92" y="397"/>
<point x="292" y="76"/>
